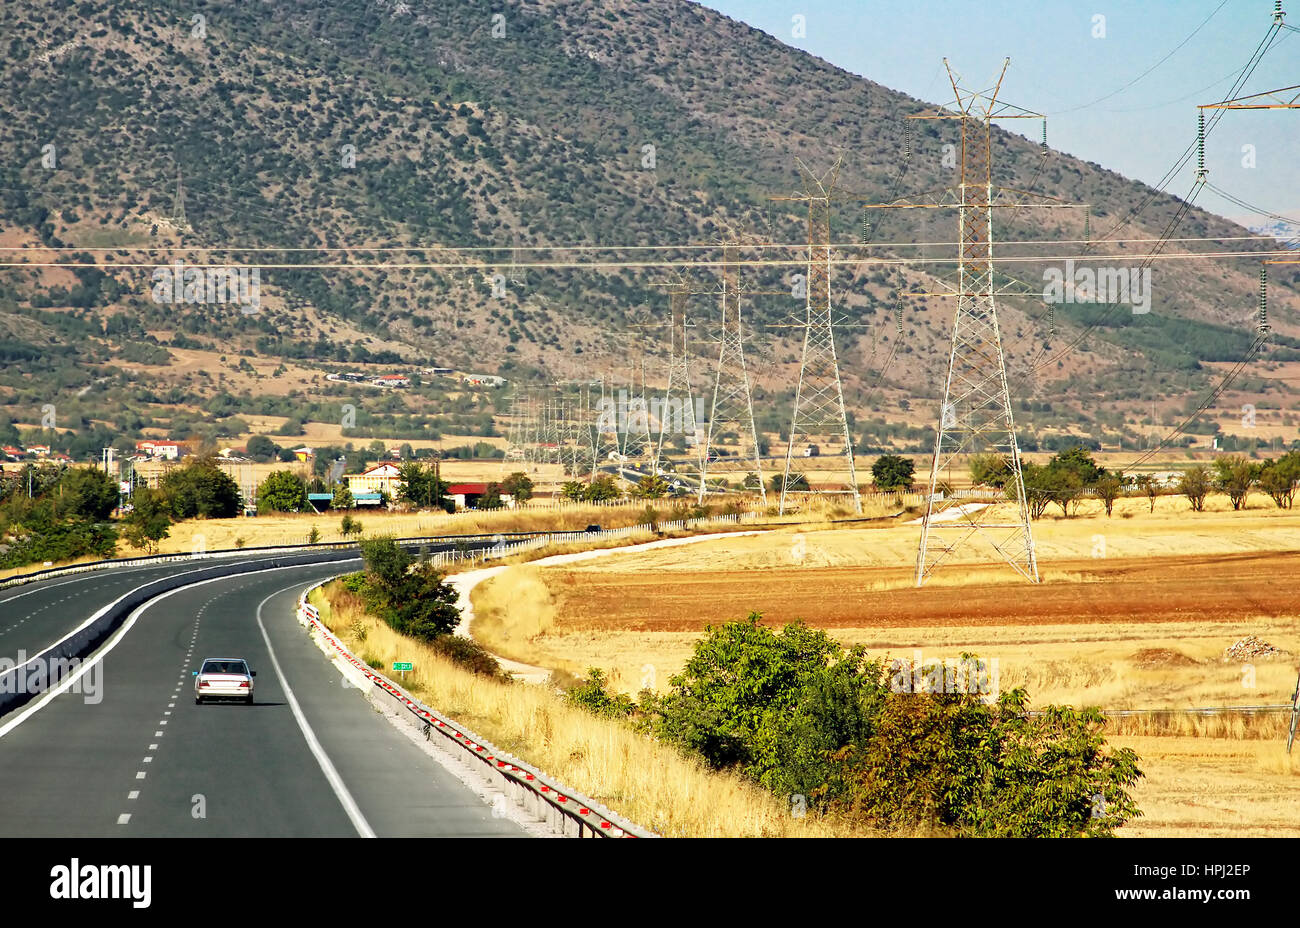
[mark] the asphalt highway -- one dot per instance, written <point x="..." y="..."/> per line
<point x="138" y="758"/>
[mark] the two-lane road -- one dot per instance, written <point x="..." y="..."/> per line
<point x="310" y="758"/>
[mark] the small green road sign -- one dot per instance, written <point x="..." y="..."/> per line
<point x="402" y="665"/>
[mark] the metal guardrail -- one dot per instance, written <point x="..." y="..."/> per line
<point x="549" y="800"/>
<point x="82" y="641"/>
<point x="561" y="806"/>
<point x="482" y="537"/>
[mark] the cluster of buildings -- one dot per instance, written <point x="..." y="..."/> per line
<point x="34" y="453"/>
<point x="400" y="381"/>
<point x="385" y="478"/>
<point x="159" y="450"/>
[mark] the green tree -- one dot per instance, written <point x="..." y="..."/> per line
<point x="349" y="526"/>
<point x="342" y="498"/>
<point x="990" y="470"/>
<point x="149" y="520"/>
<point x="1235" y="476"/>
<point x="730" y="701"/>
<point x="573" y="490"/>
<point x="410" y="596"/>
<point x="593" y="695"/>
<point x="651" y="486"/>
<point x="604" y="488"/>
<point x="491" y="498"/>
<point x="282" y="491"/>
<point x="519" y="485"/>
<point x="1279" y="478"/>
<point x="200" y="488"/>
<point x="1077" y="460"/>
<point x="1065" y="485"/>
<point x="893" y="472"/>
<point x="950" y="762"/>
<point x="1147" y="485"/>
<point x="1038" y="488"/>
<point x="798" y="482"/>
<point x="261" y="449"/>
<point x="86" y="493"/>
<point x="1195" y="485"/>
<point x="1109" y="488"/>
<point x="420" y="485"/>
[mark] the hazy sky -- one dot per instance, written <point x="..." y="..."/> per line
<point x="1100" y="104"/>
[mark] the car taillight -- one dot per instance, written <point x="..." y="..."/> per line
<point x="244" y="683"/>
<point x="203" y="683"/>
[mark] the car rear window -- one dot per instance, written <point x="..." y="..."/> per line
<point x="224" y="667"/>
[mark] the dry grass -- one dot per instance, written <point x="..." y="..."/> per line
<point x="1206" y="775"/>
<point x="649" y="782"/>
<point x="289" y="528"/>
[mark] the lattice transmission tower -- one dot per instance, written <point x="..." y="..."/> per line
<point x="975" y="415"/>
<point x="732" y="408"/>
<point x="819" y="412"/>
<point x="677" y="409"/>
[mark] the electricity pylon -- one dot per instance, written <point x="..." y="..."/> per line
<point x="679" y="398"/>
<point x="733" y="403"/>
<point x="819" y="412"/>
<point x="637" y="440"/>
<point x="606" y="429"/>
<point x="975" y="416"/>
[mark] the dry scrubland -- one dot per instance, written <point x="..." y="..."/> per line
<point x="1144" y="626"/>
<point x="652" y="784"/>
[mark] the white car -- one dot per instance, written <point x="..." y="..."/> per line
<point x="224" y="678"/>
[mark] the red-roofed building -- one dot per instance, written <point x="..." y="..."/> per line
<point x="168" y="450"/>
<point x="466" y="495"/>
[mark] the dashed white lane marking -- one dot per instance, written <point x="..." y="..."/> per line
<point x="139" y="774"/>
<point x="157" y="734"/>
<point x="124" y="818"/>
<point x="153" y="747"/>
<point x="148" y="759"/>
<point x="134" y="794"/>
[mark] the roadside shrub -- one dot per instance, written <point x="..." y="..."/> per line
<point x="591" y="694"/>
<point x="471" y="655"/>
<point x="799" y="714"/>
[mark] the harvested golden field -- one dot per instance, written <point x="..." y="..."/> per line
<point x="1135" y="612"/>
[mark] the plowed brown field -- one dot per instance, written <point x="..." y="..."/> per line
<point x="1188" y="588"/>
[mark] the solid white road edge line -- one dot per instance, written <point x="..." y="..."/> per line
<point x="327" y="767"/>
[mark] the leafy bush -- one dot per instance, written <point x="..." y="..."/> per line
<point x="410" y="597"/>
<point x="591" y="694"/>
<point x="799" y="714"/>
<point x="950" y="762"/>
<point x="471" y="655"/>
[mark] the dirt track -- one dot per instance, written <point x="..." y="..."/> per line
<point x="1185" y="588"/>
